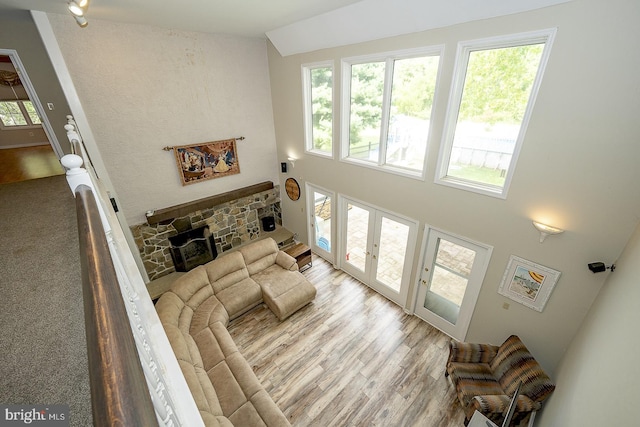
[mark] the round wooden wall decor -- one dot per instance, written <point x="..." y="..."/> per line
<point x="292" y="188"/>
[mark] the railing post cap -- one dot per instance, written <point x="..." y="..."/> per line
<point x="73" y="163"/>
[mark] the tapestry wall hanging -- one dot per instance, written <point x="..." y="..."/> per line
<point x="208" y="160"/>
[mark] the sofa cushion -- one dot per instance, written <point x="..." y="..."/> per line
<point x="286" y="261"/>
<point x="514" y="363"/>
<point x="472" y="379"/>
<point x="192" y="366"/>
<point x="226" y="270"/>
<point x="259" y="411"/>
<point x="211" y="311"/>
<point x="240" y="297"/>
<point x="193" y="287"/>
<point x="259" y="255"/>
<point x="494" y="406"/>
<point x="215" y="421"/>
<point x="169" y="308"/>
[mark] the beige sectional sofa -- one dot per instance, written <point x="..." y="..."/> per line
<point x="196" y="311"/>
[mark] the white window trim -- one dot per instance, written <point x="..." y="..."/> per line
<point x="400" y="298"/>
<point x="307" y="112"/>
<point x="25" y="114"/>
<point x="345" y="107"/>
<point x="310" y="188"/>
<point x="459" y="73"/>
<point x="471" y="294"/>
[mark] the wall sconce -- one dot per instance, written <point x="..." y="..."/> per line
<point x="78" y="8"/>
<point x="599" y="267"/>
<point x="546" y="230"/>
<point x="292" y="160"/>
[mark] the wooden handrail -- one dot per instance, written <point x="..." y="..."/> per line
<point x="119" y="392"/>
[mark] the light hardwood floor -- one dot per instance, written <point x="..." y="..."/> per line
<point x="350" y="358"/>
<point x="21" y="164"/>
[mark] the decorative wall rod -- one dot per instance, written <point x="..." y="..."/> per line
<point x="240" y="138"/>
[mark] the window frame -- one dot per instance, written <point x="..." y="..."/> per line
<point x="25" y="115"/>
<point x="307" y="108"/>
<point x="465" y="48"/>
<point x="345" y="106"/>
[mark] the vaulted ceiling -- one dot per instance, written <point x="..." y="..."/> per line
<point x="293" y="26"/>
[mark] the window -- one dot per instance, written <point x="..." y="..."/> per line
<point x="318" y="108"/>
<point x="16" y="114"/>
<point x="387" y="104"/>
<point x="494" y="88"/>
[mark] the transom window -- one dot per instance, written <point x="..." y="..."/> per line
<point x="387" y="103"/>
<point x="317" y="81"/>
<point x="494" y="88"/>
<point x="17" y="114"/>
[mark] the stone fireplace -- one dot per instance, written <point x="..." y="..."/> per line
<point x="232" y="219"/>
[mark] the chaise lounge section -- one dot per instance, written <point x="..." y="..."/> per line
<point x="196" y="311"/>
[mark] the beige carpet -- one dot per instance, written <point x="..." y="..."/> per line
<point x="42" y="340"/>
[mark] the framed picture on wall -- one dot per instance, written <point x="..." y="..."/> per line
<point x="208" y="160"/>
<point x="528" y="283"/>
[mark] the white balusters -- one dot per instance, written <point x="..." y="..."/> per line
<point x="172" y="400"/>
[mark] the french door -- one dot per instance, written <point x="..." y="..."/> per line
<point x="450" y="280"/>
<point x="377" y="248"/>
<point x="321" y="222"/>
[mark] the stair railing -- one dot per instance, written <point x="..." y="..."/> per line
<point x="133" y="370"/>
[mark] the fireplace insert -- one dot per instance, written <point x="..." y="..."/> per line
<point x="192" y="248"/>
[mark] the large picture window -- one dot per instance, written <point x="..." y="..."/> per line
<point x="494" y="89"/>
<point x="317" y="81"/>
<point x="387" y="104"/>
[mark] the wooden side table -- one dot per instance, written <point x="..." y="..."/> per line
<point x="302" y="254"/>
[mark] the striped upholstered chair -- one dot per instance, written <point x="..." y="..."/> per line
<point x="486" y="376"/>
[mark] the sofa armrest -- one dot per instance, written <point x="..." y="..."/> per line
<point x="495" y="406"/>
<point x="286" y="261"/>
<point x="464" y="352"/>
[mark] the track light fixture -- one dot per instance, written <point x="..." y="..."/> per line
<point x="75" y="9"/>
<point x="81" y="21"/>
<point x="78" y="8"/>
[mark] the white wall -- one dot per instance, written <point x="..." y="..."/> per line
<point x="598" y="379"/>
<point x="144" y="88"/>
<point x="577" y="169"/>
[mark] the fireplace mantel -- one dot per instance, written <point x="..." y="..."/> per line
<point x="168" y="214"/>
